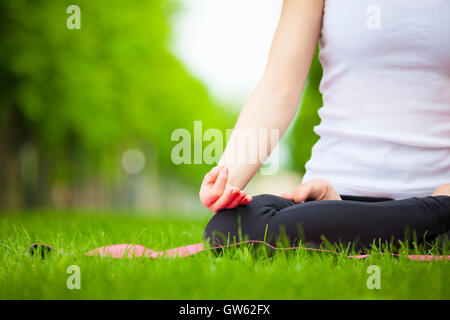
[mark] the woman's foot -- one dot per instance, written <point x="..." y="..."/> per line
<point x="443" y="190"/>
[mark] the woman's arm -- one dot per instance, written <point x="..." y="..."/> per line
<point x="271" y="106"/>
<point x="274" y="101"/>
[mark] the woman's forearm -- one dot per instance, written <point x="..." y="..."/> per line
<point x="262" y="121"/>
<point x="272" y="106"/>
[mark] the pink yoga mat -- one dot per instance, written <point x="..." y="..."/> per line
<point x="138" y="251"/>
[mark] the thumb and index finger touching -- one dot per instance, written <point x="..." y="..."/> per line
<point x="217" y="178"/>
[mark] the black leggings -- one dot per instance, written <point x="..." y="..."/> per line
<point x="358" y="221"/>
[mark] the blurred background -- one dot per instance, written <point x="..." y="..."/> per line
<point x="86" y="115"/>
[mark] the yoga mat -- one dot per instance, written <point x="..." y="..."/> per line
<point x="138" y="251"/>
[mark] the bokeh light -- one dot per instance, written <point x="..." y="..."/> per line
<point x="133" y="161"/>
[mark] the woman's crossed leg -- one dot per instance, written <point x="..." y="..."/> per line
<point x="354" y="220"/>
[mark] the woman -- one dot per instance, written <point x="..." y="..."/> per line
<point x="381" y="167"/>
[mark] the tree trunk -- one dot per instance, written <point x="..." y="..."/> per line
<point x="44" y="180"/>
<point x="12" y="134"/>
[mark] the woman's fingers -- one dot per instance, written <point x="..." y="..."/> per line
<point x="316" y="189"/>
<point x="238" y="200"/>
<point x="302" y="192"/>
<point x="247" y="199"/>
<point x="217" y="194"/>
<point x="232" y="198"/>
<point x="206" y="194"/>
<point x="226" y="199"/>
<point x="211" y="176"/>
<point x="288" y="195"/>
<point x="213" y="186"/>
<point x="221" y="182"/>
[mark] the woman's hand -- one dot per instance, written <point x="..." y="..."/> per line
<point x="217" y="194"/>
<point x="316" y="189"/>
<point x="443" y="190"/>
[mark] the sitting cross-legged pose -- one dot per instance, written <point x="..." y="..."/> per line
<point x="354" y="220"/>
<point x="381" y="168"/>
<point x="380" y="171"/>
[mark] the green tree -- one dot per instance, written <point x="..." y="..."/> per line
<point x="82" y="96"/>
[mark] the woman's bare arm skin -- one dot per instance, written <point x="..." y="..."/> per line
<point x="443" y="190"/>
<point x="274" y="101"/>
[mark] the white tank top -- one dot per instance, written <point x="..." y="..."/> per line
<point x="385" y="121"/>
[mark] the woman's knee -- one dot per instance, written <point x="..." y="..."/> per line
<point x="245" y="222"/>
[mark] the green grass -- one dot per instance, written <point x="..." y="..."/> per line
<point x="235" y="275"/>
